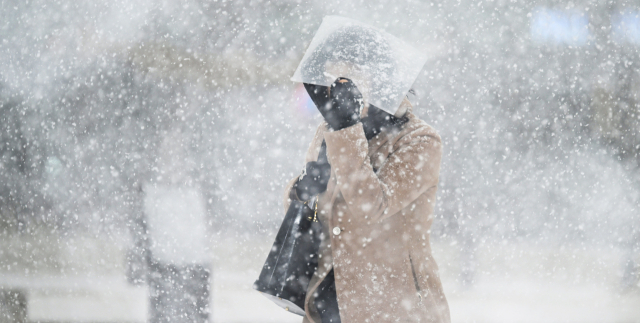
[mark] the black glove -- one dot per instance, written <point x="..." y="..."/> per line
<point x="319" y="95"/>
<point x="378" y="121"/>
<point x="341" y="107"/>
<point x="316" y="178"/>
<point x="314" y="182"/>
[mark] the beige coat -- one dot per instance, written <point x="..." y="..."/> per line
<point x="377" y="211"/>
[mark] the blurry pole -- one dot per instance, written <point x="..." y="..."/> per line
<point x="138" y="257"/>
<point x="13" y="306"/>
<point x="179" y="266"/>
<point x="631" y="268"/>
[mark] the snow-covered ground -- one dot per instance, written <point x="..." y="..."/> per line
<point x="514" y="282"/>
<point x="490" y="301"/>
<point x="61" y="298"/>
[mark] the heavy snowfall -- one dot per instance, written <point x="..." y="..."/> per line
<point x="132" y="130"/>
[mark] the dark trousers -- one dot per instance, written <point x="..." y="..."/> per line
<point x="327" y="300"/>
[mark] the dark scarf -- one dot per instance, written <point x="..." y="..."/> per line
<point x="377" y="121"/>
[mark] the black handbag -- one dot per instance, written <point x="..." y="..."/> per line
<point x="293" y="258"/>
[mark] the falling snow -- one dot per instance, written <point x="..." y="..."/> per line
<point x="145" y="146"/>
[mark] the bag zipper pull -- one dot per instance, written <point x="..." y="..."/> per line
<point x="315" y="214"/>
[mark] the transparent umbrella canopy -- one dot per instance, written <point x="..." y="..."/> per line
<point x="381" y="65"/>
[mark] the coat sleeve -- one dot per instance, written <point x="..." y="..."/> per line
<point x="289" y="194"/>
<point x="312" y="155"/>
<point x="410" y="170"/>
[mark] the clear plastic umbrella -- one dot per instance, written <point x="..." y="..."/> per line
<point x="381" y="65"/>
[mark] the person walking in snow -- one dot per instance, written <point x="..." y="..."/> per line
<point x="375" y="199"/>
<point x="371" y="173"/>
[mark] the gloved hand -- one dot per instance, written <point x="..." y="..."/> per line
<point x="319" y="95"/>
<point x="341" y="106"/>
<point x="314" y="181"/>
<point x="315" y="177"/>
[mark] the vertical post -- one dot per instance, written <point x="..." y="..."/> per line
<point x="13" y="306"/>
<point x="179" y="266"/>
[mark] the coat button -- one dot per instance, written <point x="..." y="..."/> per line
<point x="336" y="231"/>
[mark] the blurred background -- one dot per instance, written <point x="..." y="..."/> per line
<point x="132" y="130"/>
